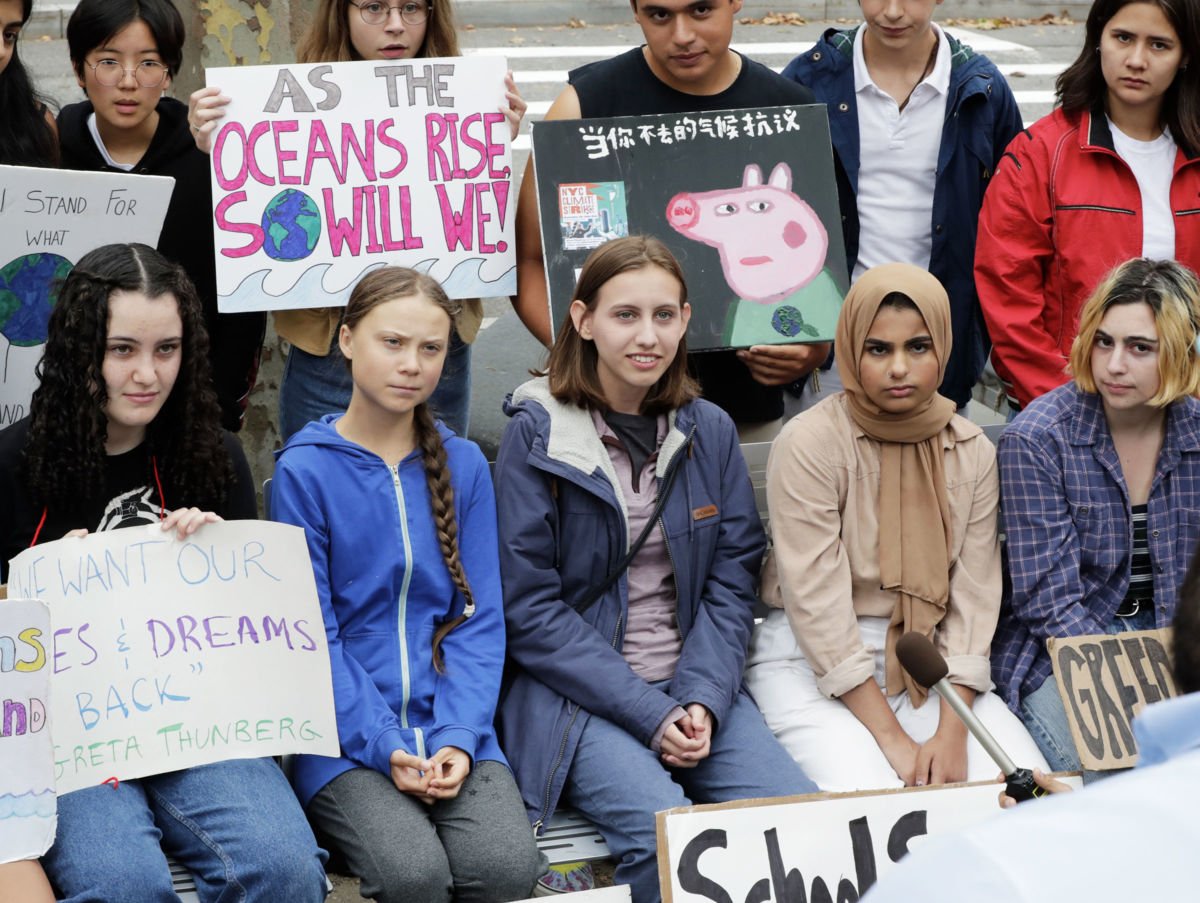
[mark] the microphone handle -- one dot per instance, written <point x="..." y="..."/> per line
<point x="947" y="692"/>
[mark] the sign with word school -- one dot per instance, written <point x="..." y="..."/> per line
<point x="745" y="199"/>
<point x="27" y="800"/>
<point x="817" y="847"/>
<point x="1105" y="681"/>
<point x="323" y="172"/>
<point x="49" y="218"/>
<point x="167" y="653"/>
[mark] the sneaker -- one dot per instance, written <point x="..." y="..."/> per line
<point x="565" y="878"/>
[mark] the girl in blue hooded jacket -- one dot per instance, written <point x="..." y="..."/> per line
<point x="400" y="520"/>
<point x="629" y="701"/>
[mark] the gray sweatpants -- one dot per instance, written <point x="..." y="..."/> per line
<point x="475" y="848"/>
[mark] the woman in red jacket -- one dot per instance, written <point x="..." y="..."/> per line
<point x="1112" y="174"/>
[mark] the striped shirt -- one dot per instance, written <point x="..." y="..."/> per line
<point x="1066" y="514"/>
<point x="1141" y="569"/>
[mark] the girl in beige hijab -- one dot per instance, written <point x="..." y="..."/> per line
<point x="883" y="509"/>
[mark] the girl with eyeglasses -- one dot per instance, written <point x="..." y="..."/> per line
<point x="27" y="135"/>
<point x="315" y="379"/>
<point x="125" y="53"/>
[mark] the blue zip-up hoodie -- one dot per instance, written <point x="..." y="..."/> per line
<point x="384" y="589"/>
<point x="565" y="529"/>
<point x="982" y="117"/>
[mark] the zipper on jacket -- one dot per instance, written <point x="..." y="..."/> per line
<point x="671" y="558"/>
<point x="402" y="614"/>
<point x="1099" y="207"/>
<point x="562" y="752"/>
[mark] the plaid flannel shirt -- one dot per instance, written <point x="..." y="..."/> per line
<point x="1065" y="510"/>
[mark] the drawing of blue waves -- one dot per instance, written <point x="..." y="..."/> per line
<point x="464" y="281"/>
<point x="39" y="804"/>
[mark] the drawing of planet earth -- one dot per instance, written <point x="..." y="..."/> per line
<point x="28" y="289"/>
<point x="291" y="225"/>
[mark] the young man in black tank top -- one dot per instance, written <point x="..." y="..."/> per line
<point x="685" y="66"/>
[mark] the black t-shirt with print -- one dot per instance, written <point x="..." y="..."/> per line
<point x="129" y="497"/>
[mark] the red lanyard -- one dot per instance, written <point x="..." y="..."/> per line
<point x="162" y="513"/>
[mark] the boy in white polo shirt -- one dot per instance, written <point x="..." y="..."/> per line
<point x="919" y="121"/>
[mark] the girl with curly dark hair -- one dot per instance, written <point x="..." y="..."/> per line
<point x="27" y="133"/>
<point x="124" y="429"/>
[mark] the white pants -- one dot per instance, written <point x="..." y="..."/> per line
<point x="833" y="747"/>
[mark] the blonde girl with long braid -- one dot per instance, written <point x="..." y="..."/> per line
<point x="400" y="519"/>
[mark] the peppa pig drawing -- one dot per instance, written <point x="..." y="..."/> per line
<point x="772" y="247"/>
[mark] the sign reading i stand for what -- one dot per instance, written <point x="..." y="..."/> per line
<point x="323" y="172"/>
<point x="167" y="654"/>
<point x="49" y="218"/>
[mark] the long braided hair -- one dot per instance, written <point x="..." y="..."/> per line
<point x="378" y="287"/>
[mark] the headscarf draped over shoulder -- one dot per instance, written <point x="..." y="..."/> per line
<point x="914" y="511"/>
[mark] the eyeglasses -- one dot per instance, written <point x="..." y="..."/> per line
<point x="377" y="13"/>
<point x="147" y="73"/>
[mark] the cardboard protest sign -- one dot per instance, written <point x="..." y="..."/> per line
<point x="824" y="846"/>
<point x="168" y="654"/>
<point x="322" y="172"/>
<point x="1105" y="681"/>
<point x="27" y="807"/>
<point x="745" y="199"/>
<point x="49" y="218"/>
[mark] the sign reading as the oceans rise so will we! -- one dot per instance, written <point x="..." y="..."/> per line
<point x="166" y="653"/>
<point x="323" y="172"/>
<point x="27" y="803"/>
<point x="49" y="218"/>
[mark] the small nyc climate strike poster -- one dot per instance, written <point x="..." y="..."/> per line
<point x="323" y="172"/>
<point x="745" y="199"/>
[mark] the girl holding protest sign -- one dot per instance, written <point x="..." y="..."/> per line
<point x="883" y="515"/>
<point x="628" y="694"/>
<point x="27" y="134"/>
<point x="400" y="519"/>
<point x="124" y="429"/>
<point x="1101" y="483"/>
<point x="125" y="53"/>
<point x="315" y="380"/>
<point x="1112" y="174"/>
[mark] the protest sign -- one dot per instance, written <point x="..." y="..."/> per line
<point x="27" y="807"/>
<point x="824" y="846"/>
<point x="49" y="218"/>
<point x="745" y="199"/>
<point x="1104" y="682"/>
<point x="167" y="653"/>
<point x="322" y="172"/>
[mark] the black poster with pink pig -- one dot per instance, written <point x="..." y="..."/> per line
<point x="745" y="199"/>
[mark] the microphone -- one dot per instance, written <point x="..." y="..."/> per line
<point x="927" y="667"/>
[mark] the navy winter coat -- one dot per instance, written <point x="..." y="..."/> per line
<point x="564" y="528"/>
<point x="981" y="118"/>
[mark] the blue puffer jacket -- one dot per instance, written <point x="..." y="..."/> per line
<point x="565" y="529"/>
<point x="981" y="118"/>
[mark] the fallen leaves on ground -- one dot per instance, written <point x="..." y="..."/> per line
<point x="992" y="23"/>
<point x="777" y="19"/>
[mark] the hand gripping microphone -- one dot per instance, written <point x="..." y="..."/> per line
<point x="929" y="669"/>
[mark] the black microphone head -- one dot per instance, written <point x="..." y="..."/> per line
<point x="920" y="659"/>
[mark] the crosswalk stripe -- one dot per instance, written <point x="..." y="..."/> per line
<point x="980" y="42"/>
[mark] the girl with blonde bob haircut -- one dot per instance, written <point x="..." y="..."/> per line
<point x="1170" y="289"/>
<point x="1101" y="486"/>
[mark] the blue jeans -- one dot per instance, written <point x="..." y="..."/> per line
<point x="619" y="783"/>
<point x="236" y="825"/>
<point x="1046" y="719"/>
<point x="315" y="386"/>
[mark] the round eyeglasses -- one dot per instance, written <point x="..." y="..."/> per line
<point x="376" y="12"/>
<point x="147" y="73"/>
